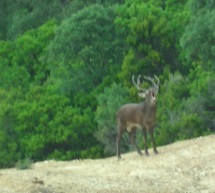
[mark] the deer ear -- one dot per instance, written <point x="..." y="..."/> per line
<point x="142" y="95"/>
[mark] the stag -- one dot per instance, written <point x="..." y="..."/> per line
<point x="139" y="115"/>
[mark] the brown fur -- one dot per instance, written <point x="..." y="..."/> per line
<point x="138" y="115"/>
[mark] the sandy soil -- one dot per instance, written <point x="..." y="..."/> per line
<point x="182" y="167"/>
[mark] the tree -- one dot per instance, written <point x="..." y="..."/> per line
<point x="11" y="75"/>
<point x="43" y="125"/>
<point x="152" y="32"/>
<point x="30" y="48"/>
<point x="86" y="48"/>
<point x="21" y="61"/>
<point x="202" y="96"/>
<point x="9" y="145"/>
<point x="4" y="12"/>
<point x="27" y="15"/>
<point x="108" y="103"/>
<point x="185" y="110"/>
<point x="197" y="40"/>
<point x="198" y="49"/>
<point x="173" y="91"/>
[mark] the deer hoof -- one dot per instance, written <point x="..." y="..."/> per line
<point x="119" y="157"/>
<point x="140" y="153"/>
<point x="156" y="152"/>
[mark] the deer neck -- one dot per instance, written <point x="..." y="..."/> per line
<point x="148" y="109"/>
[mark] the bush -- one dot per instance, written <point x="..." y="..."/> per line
<point x="186" y="107"/>
<point x="24" y="164"/>
<point x="108" y="103"/>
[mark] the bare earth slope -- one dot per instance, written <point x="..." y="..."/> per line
<point x="187" y="166"/>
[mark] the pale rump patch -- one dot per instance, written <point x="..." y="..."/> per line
<point x="130" y="126"/>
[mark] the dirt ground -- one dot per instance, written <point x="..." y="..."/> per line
<point x="182" y="167"/>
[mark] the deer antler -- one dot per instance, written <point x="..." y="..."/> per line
<point x="137" y="85"/>
<point x="158" y="81"/>
<point x="153" y="80"/>
<point x="150" y="79"/>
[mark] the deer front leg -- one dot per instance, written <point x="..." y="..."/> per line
<point x="153" y="141"/>
<point x="145" y="141"/>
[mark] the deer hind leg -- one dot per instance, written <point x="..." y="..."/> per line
<point x="118" y="140"/>
<point x="145" y="141"/>
<point x="132" y="135"/>
<point x="153" y="141"/>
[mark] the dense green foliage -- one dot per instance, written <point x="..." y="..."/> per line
<point x="66" y="67"/>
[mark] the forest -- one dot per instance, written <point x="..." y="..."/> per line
<point x="66" y="67"/>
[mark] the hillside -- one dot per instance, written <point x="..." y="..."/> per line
<point x="186" y="166"/>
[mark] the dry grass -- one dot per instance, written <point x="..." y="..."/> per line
<point x="187" y="166"/>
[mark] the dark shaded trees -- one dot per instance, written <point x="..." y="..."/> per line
<point x="86" y="48"/>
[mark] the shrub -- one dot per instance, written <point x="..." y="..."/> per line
<point x="24" y="164"/>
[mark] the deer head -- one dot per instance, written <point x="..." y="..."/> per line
<point x="151" y="93"/>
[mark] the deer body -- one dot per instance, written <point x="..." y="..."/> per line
<point x="138" y="115"/>
<point x="135" y="115"/>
